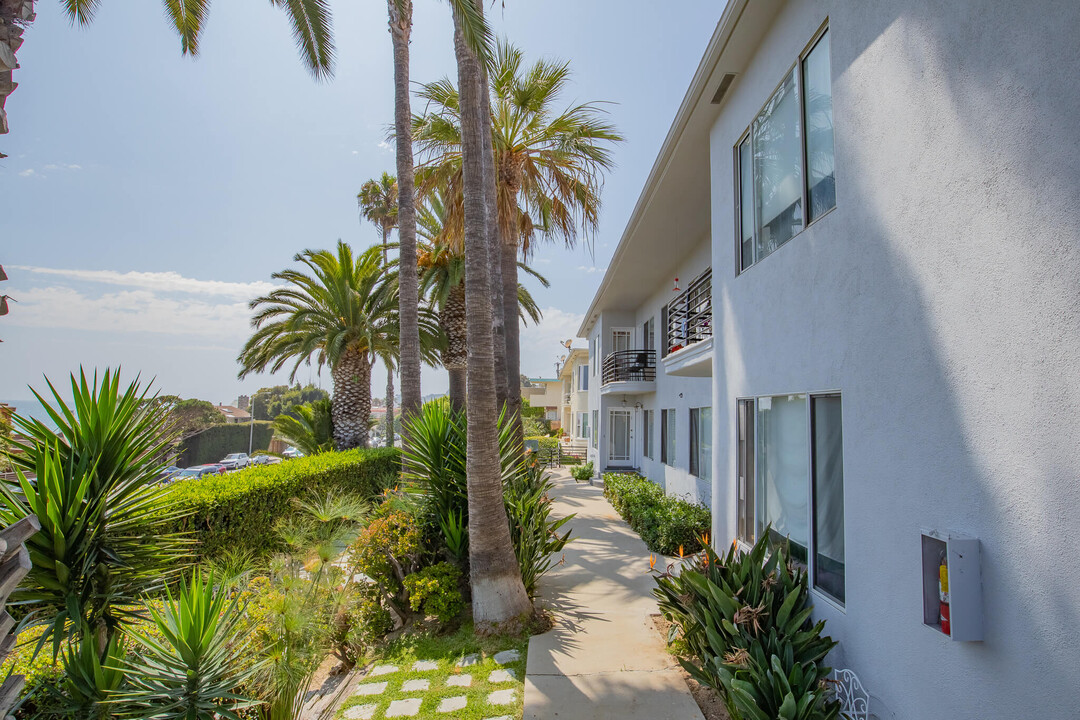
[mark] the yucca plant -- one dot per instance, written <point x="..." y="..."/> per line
<point x="746" y="619"/>
<point x="104" y="542"/>
<point x="197" y="657"/>
<point x="90" y="680"/>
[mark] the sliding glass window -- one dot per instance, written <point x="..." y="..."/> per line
<point x="828" y="468"/>
<point x="784" y="163"/>
<point x="783" y="477"/>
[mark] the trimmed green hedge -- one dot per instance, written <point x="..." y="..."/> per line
<point x="214" y="443"/>
<point x="663" y="522"/>
<point x="238" y="511"/>
<point x="546" y="443"/>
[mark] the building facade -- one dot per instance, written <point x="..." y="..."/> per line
<point x="888" y="193"/>
<point x="574" y="374"/>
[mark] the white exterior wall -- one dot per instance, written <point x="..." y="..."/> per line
<point x="940" y="297"/>
<point x="677" y="393"/>
<point x="579" y="400"/>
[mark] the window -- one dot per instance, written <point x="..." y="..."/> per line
<point x="667" y="437"/>
<point x="583" y="378"/>
<point x="791" y="477"/>
<point x="827" y="447"/>
<point x="594" y="356"/>
<point x="745" y="462"/>
<point x="649" y="334"/>
<point x="583" y="425"/>
<point x="596" y="425"/>
<point x="701" y="442"/>
<point x="784" y="163"/>
<point x="647" y="433"/>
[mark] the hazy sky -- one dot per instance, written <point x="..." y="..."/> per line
<point x="148" y="196"/>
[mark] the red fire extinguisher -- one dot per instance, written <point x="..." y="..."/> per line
<point x="943" y="595"/>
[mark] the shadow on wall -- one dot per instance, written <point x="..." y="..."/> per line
<point x="952" y="327"/>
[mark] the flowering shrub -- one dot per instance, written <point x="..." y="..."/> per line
<point x="668" y="525"/>
<point x="434" y="590"/>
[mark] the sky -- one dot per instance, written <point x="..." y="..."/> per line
<point x="147" y="197"/>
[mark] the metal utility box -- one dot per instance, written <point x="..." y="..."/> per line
<point x="962" y="558"/>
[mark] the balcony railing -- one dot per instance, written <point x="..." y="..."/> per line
<point x="689" y="316"/>
<point x="629" y="366"/>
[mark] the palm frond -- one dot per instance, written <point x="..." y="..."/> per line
<point x="311" y="24"/>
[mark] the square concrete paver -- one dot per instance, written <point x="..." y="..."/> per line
<point x="415" y="685"/>
<point x="425" y="666"/>
<point x="501" y="697"/>
<point x="383" y="670"/>
<point x="469" y="660"/>
<point x="501" y="717"/>
<point x="501" y="676"/>
<point x="370" y="689"/>
<point x="507" y="656"/>
<point x="403" y="708"/>
<point x="450" y="704"/>
<point x="361" y="712"/>
<point x="459" y="681"/>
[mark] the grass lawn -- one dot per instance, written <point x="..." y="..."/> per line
<point x="446" y="656"/>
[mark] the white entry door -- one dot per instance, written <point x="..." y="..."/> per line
<point x="620" y="448"/>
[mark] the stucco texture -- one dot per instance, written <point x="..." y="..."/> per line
<point x="942" y="299"/>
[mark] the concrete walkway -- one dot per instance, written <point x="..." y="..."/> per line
<point x="603" y="659"/>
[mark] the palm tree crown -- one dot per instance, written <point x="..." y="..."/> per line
<point x="343" y="311"/>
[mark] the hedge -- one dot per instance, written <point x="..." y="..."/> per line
<point x="664" y="522"/>
<point x="217" y="441"/>
<point x="546" y="443"/>
<point x="238" y="511"/>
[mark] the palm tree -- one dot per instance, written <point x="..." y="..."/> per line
<point x="550" y="165"/>
<point x="378" y="201"/>
<point x="343" y="310"/>
<point x="498" y="594"/>
<point x="442" y="281"/>
<point x="308" y="427"/>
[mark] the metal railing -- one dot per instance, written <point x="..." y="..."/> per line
<point x="689" y="316"/>
<point x="629" y="366"/>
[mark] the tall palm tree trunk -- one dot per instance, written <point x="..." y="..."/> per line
<point x="501" y="321"/>
<point x="351" y="402"/>
<point x="389" y="366"/>
<point x="400" y="13"/>
<point x="509" y="295"/>
<point x="498" y="594"/>
<point x="456" y="356"/>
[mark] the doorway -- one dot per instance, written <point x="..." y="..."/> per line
<point x="620" y="437"/>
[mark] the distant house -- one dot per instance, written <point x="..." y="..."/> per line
<point x="545" y="393"/>
<point x="574" y="413"/>
<point x="233" y="414"/>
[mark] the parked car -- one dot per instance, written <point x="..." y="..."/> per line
<point x="291" y="452"/>
<point x="236" y="461"/>
<point x="169" y="473"/>
<point x="265" y="460"/>
<point x="198" y="471"/>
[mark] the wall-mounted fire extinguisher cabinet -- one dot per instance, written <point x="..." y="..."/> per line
<point x="952" y="585"/>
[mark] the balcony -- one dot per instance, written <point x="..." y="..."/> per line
<point x="690" y="330"/>
<point x="628" y="372"/>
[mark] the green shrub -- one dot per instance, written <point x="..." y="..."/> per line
<point x="546" y="443"/>
<point x="582" y="473"/>
<point x="217" y="441"/>
<point x="435" y="592"/>
<point x="534" y="533"/>
<point x="667" y="524"/>
<point x="238" y="511"/>
<point x="745" y="619"/>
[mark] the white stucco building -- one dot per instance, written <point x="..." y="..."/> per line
<point x="574" y="374"/>
<point x="887" y="197"/>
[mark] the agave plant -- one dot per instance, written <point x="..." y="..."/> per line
<point x="105" y="540"/>
<point x="193" y="663"/>
<point x="745" y="618"/>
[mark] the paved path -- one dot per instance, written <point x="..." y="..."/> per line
<point x="603" y="659"/>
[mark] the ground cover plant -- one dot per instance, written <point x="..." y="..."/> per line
<point x="668" y="525"/>
<point x="582" y="473"/>
<point x="744" y="618"/>
<point x="447" y="663"/>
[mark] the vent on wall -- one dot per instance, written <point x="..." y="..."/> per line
<point x="725" y="83"/>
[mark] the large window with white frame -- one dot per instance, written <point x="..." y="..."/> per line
<point x="583" y="377"/>
<point x="667" y="436"/>
<point x="583" y="425"/>
<point x="790" y="474"/>
<point x="784" y="164"/>
<point x="595" y="428"/>
<point x="701" y="442"/>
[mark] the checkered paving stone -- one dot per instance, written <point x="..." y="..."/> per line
<point x="361" y="712"/>
<point x="415" y="685"/>
<point x="425" y="666"/>
<point x="383" y="670"/>
<point x="469" y="660"/>
<point x="371" y="689"/>
<point x="459" y="681"/>
<point x="501" y="697"/>
<point x="451" y="704"/>
<point x="403" y="708"/>
<point x="501" y="676"/>
<point x="507" y="656"/>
